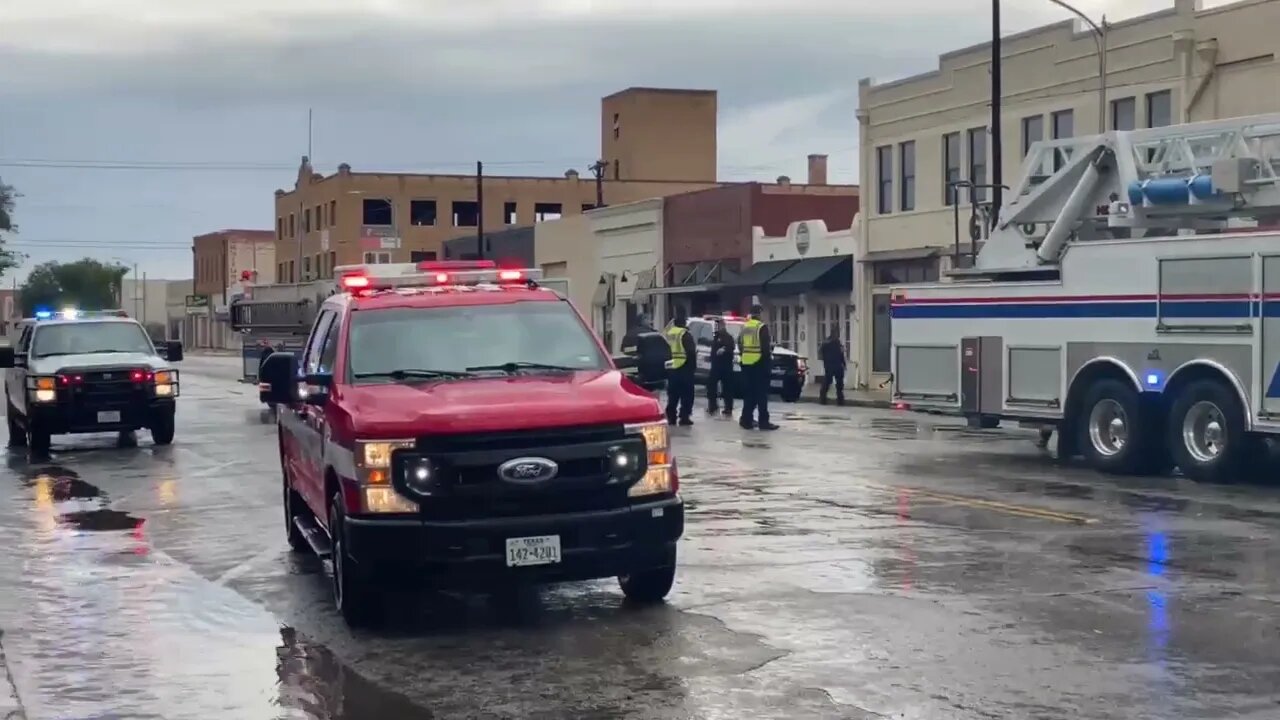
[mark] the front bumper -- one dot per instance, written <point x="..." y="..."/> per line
<point x="471" y="554"/>
<point x="62" y="417"/>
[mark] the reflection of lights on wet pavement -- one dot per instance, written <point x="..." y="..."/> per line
<point x="168" y="491"/>
<point x="908" y="553"/>
<point x="46" y="516"/>
<point x="1157" y="553"/>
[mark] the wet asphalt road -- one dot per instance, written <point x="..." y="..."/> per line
<point x="857" y="564"/>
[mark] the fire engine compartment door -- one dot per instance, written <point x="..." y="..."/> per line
<point x="1270" y="370"/>
<point x="981" y="375"/>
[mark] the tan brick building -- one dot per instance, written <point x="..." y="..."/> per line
<point x="656" y="142"/>
<point x="220" y="261"/>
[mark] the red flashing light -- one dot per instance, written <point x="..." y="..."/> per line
<point x="509" y="275"/>
<point x="353" y="282"/>
<point x="901" y="406"/>
<point x="140" y="375"/>
<point x="442" y="278"/>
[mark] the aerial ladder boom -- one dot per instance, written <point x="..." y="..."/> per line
<point x="1192" y="178"/>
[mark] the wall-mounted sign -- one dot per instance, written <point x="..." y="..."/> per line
<point x="802" y="238"/>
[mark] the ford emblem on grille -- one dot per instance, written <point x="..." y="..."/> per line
<point x="528" y="470"/>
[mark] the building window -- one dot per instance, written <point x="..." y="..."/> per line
<point x="617" y="169"/>
<point x="899" y="272"/>
<point x="1032" y="132"/>
<point x="907" y="168"/>
<point x="306" y="267"/>
<point x="509" y="213"/>
<point x="333" y="213"/>
<point x="377" y="258"/>
<point x="977" y="164"/>
<point x="1064" y="122"/>
<point x="319" y="213"/>
<point x="279" y="228"/>
<point x="422" y="213"/>
<point x="884" y="179"/>
<point x="293" y="230"/>
<point x="333" y="262"/>
<point x="376" y="211"/>
<point x="466" y="213"/>
<point x="418" y="256"/>
<point x="546" y="211"/>
<point x="292" y="277"/>
<point x="1159" y="109"/>
<point x="950" y="166"/>
<point x="1124" y="114"/>
<point x="306" y="220"/>
<point x="617" y="126"/>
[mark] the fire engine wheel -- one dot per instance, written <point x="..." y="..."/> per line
<point x="355" y="599"/>
<point x="1207" y="433"/>
<point x="1116" y="433"/>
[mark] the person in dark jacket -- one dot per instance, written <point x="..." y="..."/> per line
<point x="684" y="354"/>
<point x="720" y="375"/>
<point x="833" y="364"/>
<point x="755" y="345"/>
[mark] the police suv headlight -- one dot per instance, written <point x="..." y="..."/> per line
<point x="42" y="389"/>
<point x="166" y="383"/>
<point x="658" y="477"/>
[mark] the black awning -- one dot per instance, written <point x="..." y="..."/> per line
<point x="833" y="273"/>
<point x="758" y="274"/>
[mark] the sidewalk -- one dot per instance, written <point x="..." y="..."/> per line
<point x="876" y="398"/>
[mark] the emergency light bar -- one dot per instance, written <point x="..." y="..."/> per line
<point x="431" y="273"/>
<point x="71" y="313"/>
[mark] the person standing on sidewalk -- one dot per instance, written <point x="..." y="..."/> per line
<point x="720" y="375"/>
<point x="833" y="364"/>
<point x="756" y="347"/>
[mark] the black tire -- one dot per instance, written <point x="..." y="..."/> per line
<point x="648" y="586"/>
<point x="39" y="441"/>
<point x="790" y="391"/>
<point x="294" y="507"/>
<point x="1226" y="457"/>
<point x="17" y="435"/>
<point x="162" y="429"/>
<point x="1140" y="452"/>
<point x="357" y="601"/>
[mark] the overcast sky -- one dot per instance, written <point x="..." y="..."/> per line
<point x="413" y="85"/>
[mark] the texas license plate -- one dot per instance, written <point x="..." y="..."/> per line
<point x="539" y="550"/>
<point x="776" y="384"/>
<point x="108" y="416"/>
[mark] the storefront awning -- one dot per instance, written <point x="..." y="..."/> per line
<point x="833" y="273"/>
<point x="757" y="275"/>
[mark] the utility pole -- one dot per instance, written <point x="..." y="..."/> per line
<point x="597" y="169"/>
<point x="479" y="210"/>
<point x="997" y="157"/>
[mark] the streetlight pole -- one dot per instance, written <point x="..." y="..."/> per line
<point x="997" y="154"/>
<point x="1099" y="39"/>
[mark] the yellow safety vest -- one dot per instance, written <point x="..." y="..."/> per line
<point x="675" y="338"/>
<point x="750" y="337"/>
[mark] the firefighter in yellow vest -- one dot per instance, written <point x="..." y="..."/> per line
<point x="755" y="348"/>
<point x="684" y="353"/>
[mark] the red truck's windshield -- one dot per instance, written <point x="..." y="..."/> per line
<point x="461" y="338"/>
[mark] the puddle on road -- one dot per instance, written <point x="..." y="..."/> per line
<point x="101" y="520"/>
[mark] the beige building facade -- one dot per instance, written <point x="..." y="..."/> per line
<point x="1183" y="64"/>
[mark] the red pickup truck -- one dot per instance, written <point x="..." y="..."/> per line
<point x="456" y="425"/>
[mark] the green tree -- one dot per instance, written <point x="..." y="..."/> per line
<point x="8" y="197"/>
<point x="85" y="284"/>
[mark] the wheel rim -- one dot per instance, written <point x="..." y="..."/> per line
<point x="1204" y="431"/>
<point x="1108" y="427"/>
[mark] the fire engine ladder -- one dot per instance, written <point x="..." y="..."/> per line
<point x="272" y="316"/>
<point x="1159" y="181"/>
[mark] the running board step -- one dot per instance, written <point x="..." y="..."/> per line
<point x="316" y="538"/>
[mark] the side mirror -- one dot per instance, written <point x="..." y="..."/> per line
<point x="173" y="350"/>
<point x="624" y="362"/>
<point x="318" y="385"/>
<point x="8" y="358"/>
<point x="280" y="374"/>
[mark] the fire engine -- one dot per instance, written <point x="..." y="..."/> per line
<point x="1128" y="298"/>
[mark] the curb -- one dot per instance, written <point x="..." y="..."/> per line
<point x="10" y="704"/>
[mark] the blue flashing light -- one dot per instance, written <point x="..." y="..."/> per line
<point x="44" y="314"/>
<point x="1154" y="379"/>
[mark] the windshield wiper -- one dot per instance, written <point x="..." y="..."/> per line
<point x="514" y="367"/>
<point x="406" y="373"/>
